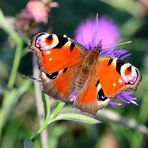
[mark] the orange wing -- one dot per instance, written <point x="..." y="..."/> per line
<point x="55" y="52"/>
<point x="91" y="99"/>
<point x="115" y="75"/>
<point x="60" y="85"/>
<point x="109" y="77"/>
<point x="59" y="60"/>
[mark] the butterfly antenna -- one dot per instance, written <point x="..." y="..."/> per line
<point x="123" y="43"/>
<point x="31" y="78"/>
<point x="97" y="17"/>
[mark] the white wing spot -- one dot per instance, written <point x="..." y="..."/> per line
<point x="50" y="59"/>
<point x="114" y="84"/>
<point x="48" y="52"/>
<point x="120" y="81"/>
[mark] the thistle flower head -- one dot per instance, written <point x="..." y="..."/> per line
<point x="38" y="11"/>
<point x="35" y="12"/>
<point x="93" y="32"/>
<point x="104" y="31"/>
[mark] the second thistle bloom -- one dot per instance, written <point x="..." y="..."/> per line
<point x="36" y="12"/>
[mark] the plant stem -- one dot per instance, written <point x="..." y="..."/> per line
<point x="39" y="105"/>
<point x="15" y="65"/>
<point x="19" y="45"/>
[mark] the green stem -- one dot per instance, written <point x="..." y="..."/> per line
<point x="11" y="100"/>
<point x="48" y="120"/>
<point x="45" y="124"/>
<point x="19" y="44"/>
<point x="15" y="65"/>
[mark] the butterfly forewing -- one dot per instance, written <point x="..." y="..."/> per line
<point x="55" y="52"/>
<point x="59" y="61"/>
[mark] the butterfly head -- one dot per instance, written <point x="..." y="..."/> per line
<point x="97" y="49"/>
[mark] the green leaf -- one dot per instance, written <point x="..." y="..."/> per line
<point x="57" y="109"/>
<point x="46" y="106"/>
<point x="127" y="6"/>
<point x="129" y="29"/>
<point x="19" y="46"/>
<point x="10" y="101"/>
<point x="47" y="120"/>
<point x="76" y="117"/>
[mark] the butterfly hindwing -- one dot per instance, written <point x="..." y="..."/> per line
<point x="91" y="99"/>
<point x="62" y="86"/>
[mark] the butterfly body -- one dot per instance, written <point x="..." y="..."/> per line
<point x="71" y="73"/>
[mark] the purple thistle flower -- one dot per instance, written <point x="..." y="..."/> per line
<point x="104" y="31"/>
<point x="91" y="32"/>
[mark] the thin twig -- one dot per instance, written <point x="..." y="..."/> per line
<point x="111" y="116"/>
<point x="39" y="103"/>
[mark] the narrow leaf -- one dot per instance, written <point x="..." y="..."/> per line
<point x="76" y="117"/>
<point x="46" y="106"/>
<point x="57" y="109"/>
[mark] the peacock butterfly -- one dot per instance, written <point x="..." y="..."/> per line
<point x="69" y="72"/>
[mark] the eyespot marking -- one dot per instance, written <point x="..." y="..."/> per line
<point x="52" y="75"/>
<point x="101" y="96"/>
<point x="49" y="37"/>
<point x="72" y="45"/>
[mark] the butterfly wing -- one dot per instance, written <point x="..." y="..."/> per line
<point x="59" y="59"/>
<point x="90" y="100"/>
<point x="116" y="75"/>
<point x="55" y="52"/>
<point x="109" y="77"/>
<point x="62" y="85"/>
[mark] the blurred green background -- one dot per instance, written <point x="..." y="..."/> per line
<point x="18" y="114"/>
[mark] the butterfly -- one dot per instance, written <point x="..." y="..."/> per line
<point x="69" y="72"/>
